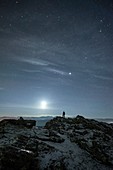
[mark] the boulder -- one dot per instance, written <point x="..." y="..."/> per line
<point x="19" y="122"/>
<point x="13" y="158"/>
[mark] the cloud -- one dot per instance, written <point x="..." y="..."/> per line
<point x="36" y="62"/>
<point x="95" y="74"/>
<point x="100" y="86"/>
<point x="1" y="88"/>
<point x="103" y="77"/>
<point x="31" y="71"/>
<point x="56" y="71"/>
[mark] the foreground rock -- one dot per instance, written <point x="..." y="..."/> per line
<point x="63" y="144"/>
<point x="19" y="122"/>
<point x="93" y="136"/>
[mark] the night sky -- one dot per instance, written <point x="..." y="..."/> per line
<point x="59" y="52"/>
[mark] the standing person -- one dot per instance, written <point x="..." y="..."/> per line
<point x="63" y="114"/>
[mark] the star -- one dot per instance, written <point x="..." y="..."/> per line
<point x="101" y="20"/>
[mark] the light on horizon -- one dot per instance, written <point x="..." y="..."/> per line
<point x="43" y="105"/>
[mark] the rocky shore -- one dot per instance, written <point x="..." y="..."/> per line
<point x="63" y="144"/>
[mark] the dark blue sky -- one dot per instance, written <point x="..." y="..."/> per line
<point x="58" y="51"/>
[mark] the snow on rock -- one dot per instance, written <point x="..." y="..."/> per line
<point x="63" y="144"/>
<point x="90" y="135"/>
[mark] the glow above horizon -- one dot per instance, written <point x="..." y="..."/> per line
<point x="43" y="105"/>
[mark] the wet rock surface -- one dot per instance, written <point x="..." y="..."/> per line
<point x="63" y="144"/>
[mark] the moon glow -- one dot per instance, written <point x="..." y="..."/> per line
<point x="43" y="105"/>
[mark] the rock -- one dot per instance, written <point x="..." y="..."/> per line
<point x="19" y="122"/>
<point x="54" y="137"/>
<point x="57" y="165"/>
<point x="13" y="158"/>
<point x="63" y="144"/>
<point x="89" y="134"/>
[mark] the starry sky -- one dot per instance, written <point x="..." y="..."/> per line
<point x="57" y="51"/>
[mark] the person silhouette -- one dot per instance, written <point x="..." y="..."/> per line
<point x="63" y="114"/>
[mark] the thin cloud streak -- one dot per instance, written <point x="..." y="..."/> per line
<point x="31" y="71"/>
<point x="103" y="77"/>
<point x="36" y="62"/>
<point x="1" y="88"/>
<point x="57" y="71"/>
